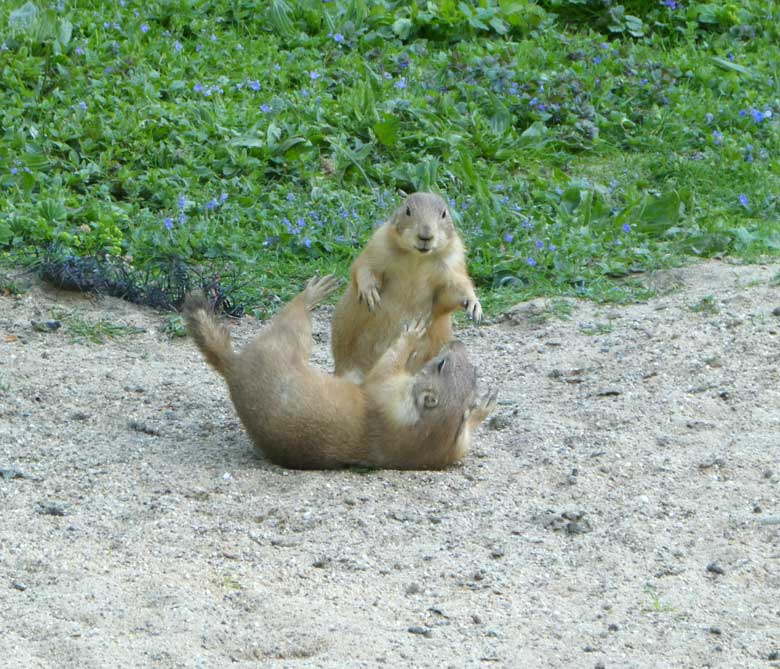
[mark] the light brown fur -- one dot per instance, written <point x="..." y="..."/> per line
<point x="413" y="267"/>
<point x="301" y="418"/>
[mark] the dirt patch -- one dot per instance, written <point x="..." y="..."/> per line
<point x="621" y="509"/>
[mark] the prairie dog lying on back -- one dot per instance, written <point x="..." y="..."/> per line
<point x="413" y="267"/>
<point x="302" y="418"/>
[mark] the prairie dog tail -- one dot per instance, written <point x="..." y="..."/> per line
<point x="211" y="337"/>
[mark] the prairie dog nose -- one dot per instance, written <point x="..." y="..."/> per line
<point x="425" y="235"/>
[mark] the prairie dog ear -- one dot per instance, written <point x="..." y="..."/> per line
<point x="430" y="401"/>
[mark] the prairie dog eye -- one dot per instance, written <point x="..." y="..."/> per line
<point x="430" y="401"/>
<point x="444" y="214"/>
<point x="440" y="366"/>
<point x="408" y="211"/>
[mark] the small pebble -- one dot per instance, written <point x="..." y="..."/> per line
<point x="776" y="311"/>
<point x="613" y="627"/>
<point x="476" y="618"/>
<point x="51" y="509"/>
<point x="774" y="655"/>
<point x="18" y="585"/>
<point x="768" y="474"/>
<point x="46" y="326"/>
<point x="413" y="589"/>
<point x="422" y="631"/>
<point x="715" y="630"/>
<point x="499" y="422"/>
<point x="715" y="568"/>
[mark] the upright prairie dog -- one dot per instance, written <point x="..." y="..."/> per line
<point x="413" y="267"/>
<point x="305" y="419"/>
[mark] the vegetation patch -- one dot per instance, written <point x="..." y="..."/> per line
<point x="579" y="142"/>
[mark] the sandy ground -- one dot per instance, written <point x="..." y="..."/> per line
<point x="620" y="509"/>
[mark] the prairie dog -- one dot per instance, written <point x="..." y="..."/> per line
<point x="305" y="419"/>
<point x="413" y="267"/>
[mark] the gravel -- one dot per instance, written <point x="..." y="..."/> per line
<point x="614" y="473"/>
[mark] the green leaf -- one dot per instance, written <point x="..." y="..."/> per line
<point x="52" y="211"/>
<point x="66" y="32"/>
<point x="386" y="130"/>
<point x="279" y="16"/>
<point x="500" y="26"/>
<point x="725" y="64"/>
<point x="500" y="120"/>
<point x="402" y="28"/>
<point x="24" y="19"/>
<point x="247" y="142"/>
<point x="656" y="215"/>
<point x="534" y="136"/>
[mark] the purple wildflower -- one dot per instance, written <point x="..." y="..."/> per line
<point x="743" y="200"/>
<point x="531" y="261"/>
<point x="14" y="171"/>
<point x="212" y="204"/>
<point x="254" y="84"/>
<point x="177" y="46"/>
<point x="168" y="222"/>
<point x="314" y="75"/>
<point x="265" y="108"/>
<point x="197" y="88"/>
<point x="759" y="116"/>
<point x="144" y="28"/>
<point x="626" y="228"/>
<point x="339" y="38"/>
<point x="223" y="197"/>
<point x="708" y="118"/>
<point x="182" y="202"/>
<point x="717" y="137"/>
<point x="307" y="242"/>
<point x="552" y="247"/>
<point x="671" y="4"/>
<point x="79" y="51"/>
<point x="508" y="237"/>
<point x="401" y="83"/>
<point x="539" y="244"/>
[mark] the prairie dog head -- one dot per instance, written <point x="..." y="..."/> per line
<point x="445" y="386"/>
<point x="423" y="223"/>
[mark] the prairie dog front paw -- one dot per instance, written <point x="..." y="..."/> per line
<point x="368" y="292"/>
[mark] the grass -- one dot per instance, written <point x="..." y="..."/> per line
<point x="578" y="144"/>
<point x="95" y="332"/>
<point x="174" y="327"/>
<point x="707" y="305"/>
<point x="593" y="329"/>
